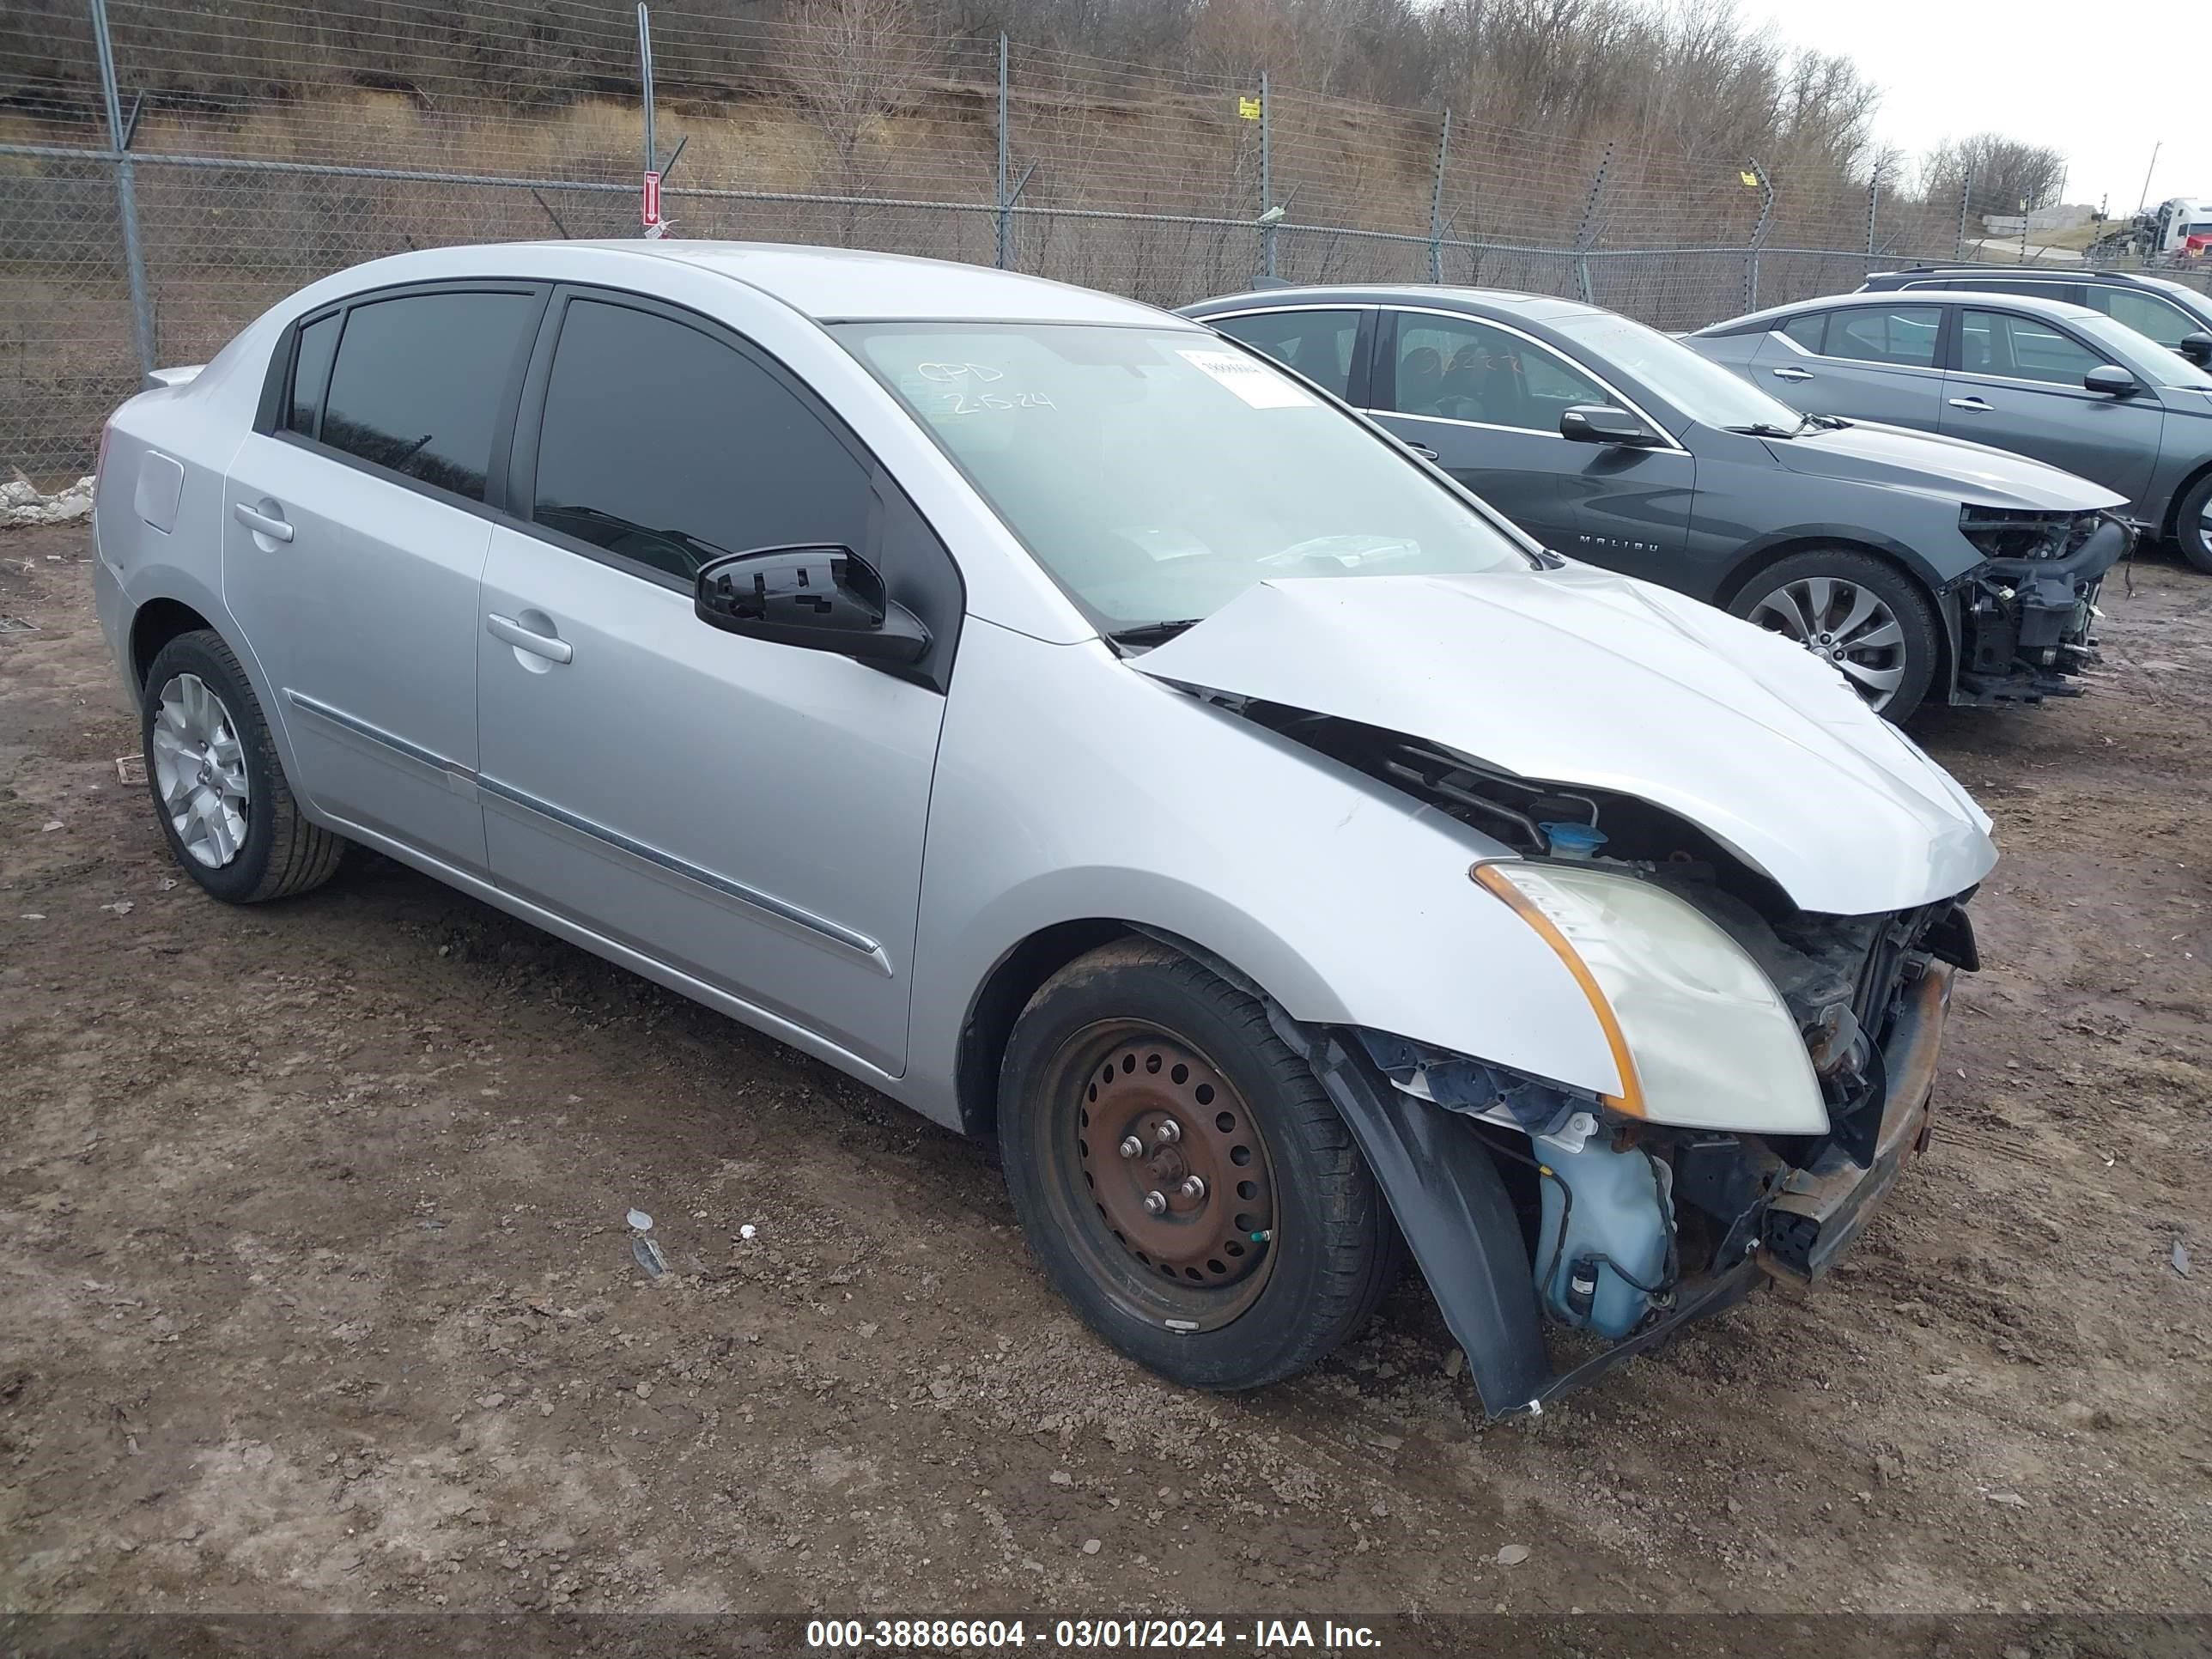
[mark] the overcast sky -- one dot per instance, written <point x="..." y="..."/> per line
<point x="2100" y="84"/>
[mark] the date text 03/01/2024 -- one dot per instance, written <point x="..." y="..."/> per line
<point x="1073" y="1635"/>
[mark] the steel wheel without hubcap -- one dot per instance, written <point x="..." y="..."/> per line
<point x="1841" y="623"/>
<point x="1162" y="1174"/>
<point x="200" y="771"/>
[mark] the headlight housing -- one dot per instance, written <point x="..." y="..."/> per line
<point x="2004" y="532"/>
<point x="1701" y="1037"/>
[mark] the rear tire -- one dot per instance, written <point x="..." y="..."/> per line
<point x="1128" y="1040"/>
<point x="2192" y="524"/>
<point x="1871" y="620"/>
<point x="220" y="794"/>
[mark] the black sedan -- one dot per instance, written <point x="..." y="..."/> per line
<point x="1919" y="565"/>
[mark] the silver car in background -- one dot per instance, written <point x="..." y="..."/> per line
<point x="1060" y="719"/>
<point x="2040" y="377"/>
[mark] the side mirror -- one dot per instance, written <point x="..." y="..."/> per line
<point x="2197" y="347"/>
<point x="1601" y="423"/>
<point x="2111" y="380"/>
<point x="822" y="599"/>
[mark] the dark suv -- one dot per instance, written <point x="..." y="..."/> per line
<point x="2172" y="313"/>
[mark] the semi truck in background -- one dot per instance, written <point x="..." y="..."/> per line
<point x="2178" y="228"/>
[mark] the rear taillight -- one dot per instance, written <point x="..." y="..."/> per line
<point x="100" y="464"/>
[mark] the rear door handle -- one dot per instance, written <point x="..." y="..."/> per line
<point x="537" y="645"/>
<point x="1974" y="404"/>
<point x="1793" y="373"/>
<point x="261" y="523"/>
<point x="1421" y="450"/>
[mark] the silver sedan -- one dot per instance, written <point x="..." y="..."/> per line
<point x="1057" y="717"/>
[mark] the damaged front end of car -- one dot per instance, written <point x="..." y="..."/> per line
<point x="1777" y="1067"/>
<point x="2026" y="618"/>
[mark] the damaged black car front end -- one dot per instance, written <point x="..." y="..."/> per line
<point x="2023" y="623"/>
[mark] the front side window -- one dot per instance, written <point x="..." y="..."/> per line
<point x="310" y="374"/>
<point x="1999" y="342"/>
<point x="419" y="380"/>
<point x="2148" y="314"/>
<point x="1319" y="345"/>
<point x="1902" y="335"/>
<point x="670" y="448"/>
<point x="1460" y="369"/>
<point x="1159" y="473"/>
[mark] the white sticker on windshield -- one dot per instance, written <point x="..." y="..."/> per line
<point x="1260" y="387"/>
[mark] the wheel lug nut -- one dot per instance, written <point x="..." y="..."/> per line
<point x="1131" y="1145"/>
<point x="1193" y="1187"/>
<point x="1155" y="1203"/>
<point x="1169" y="1132"/>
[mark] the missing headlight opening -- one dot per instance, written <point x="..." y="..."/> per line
<point x="2026" y="618"/>
<point x="1630" y="1205"/>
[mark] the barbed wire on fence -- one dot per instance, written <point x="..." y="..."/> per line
<point x="266" y="142"/>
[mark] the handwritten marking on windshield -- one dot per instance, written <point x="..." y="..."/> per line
<point x="947" y="373"/>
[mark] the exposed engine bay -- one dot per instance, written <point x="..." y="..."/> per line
<point x="2026" y="619"/>
<point x="1620" y="1215"/>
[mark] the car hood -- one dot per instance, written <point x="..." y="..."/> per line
<point x="1950" y="467"/>
<point x="1575" y="675"/>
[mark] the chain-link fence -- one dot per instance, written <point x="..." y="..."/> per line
<point x="168" y="170"/>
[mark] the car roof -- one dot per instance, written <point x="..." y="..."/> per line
<point x="828" y="284"/>
<point x="2034" y="305"/>
<point x="1536" y="307"/>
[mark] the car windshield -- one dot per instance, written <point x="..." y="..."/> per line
<point x="1159" y="473"/>
<point x="1702" y="389"/>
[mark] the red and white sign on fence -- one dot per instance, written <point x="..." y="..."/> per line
<point x="650" y="206"/>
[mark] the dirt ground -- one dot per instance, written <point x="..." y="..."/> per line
<point x="317" y="1292"/>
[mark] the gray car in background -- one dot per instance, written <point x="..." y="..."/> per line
<point x="1919" y="566"/>
<point x="2060" y="382"/>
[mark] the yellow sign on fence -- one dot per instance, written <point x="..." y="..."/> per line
<point x="1750" y="180"/>
<point x="1248" y="108"/>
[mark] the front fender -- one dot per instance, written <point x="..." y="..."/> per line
<point x="1346" y="902"/>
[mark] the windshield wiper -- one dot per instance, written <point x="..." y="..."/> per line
<point x="1768" y="430"/>
<point x="1152" y="633"/>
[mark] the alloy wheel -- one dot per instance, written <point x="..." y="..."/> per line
<point x="1843" y="622"/>
<point x="200" y="771"/>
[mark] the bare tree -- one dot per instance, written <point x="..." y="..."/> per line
<point x="852" y="64"/>
<point x="2003" y="175"/>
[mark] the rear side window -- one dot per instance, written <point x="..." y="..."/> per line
<point x="1318" y="344"/>
<point x="419" y="381"/>
<point x="1805" y="330"/>
<point x="1903" y="335"/>
<point x="666" y="446"/>
<point x="310" y="374"/>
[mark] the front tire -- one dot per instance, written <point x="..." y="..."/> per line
<point x="2192" y="524"/>
<point x="1243" y="1237"/>
<point x="1865" y="616"/>
<point x="218" y="792"/>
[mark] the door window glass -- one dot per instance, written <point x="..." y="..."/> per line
<point x="1999" y="342"/>
<point x="1463" y="370"/>
<point x="667" y="447"/>
<point x="419" y="380"/>
<point x="1904" y="335"/>
<point x="2158" y="319"/>
<point x="1318" y="344"/>
<point x="310" y="374"/>
<point x="1805" y="330"/>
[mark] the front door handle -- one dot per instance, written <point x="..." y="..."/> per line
<point x="1793" y="373"/>
<point x="1974" y="404"/>
<point x="537" y="645"/>
<point x="1421" y="450"/>
<point x="261" y="523"/>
